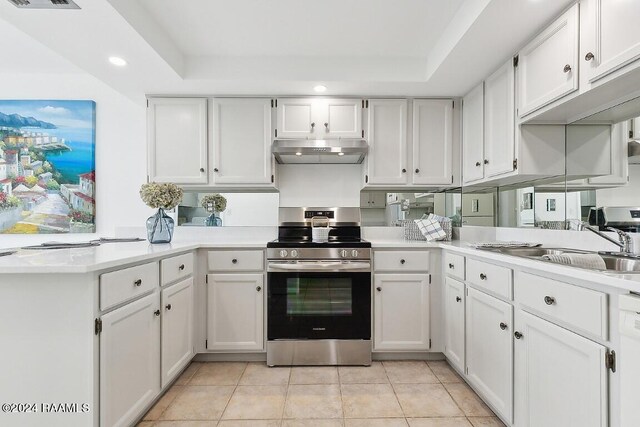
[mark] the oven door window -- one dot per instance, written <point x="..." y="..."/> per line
<point x="319" y="305"/>
<point x="315" y="296"/>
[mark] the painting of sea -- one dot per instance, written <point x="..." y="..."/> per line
<point x="47" y="166"/>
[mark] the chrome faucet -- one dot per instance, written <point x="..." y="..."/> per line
<point x="624" y="242"/>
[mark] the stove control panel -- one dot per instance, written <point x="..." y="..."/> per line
<point x="319" y="253"/>
<point x="283" y="253"/>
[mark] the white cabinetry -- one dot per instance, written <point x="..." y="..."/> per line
<point x="560" y="377"/>
<point x="454" y="322"/>
<point x="432" y="141"/>
<point x="609" y="40"/>
<point x="499" y="122"/>
<point x="319" y="118"/>
<point x="548" y="65"/>
<point x="177" y="140"/>
<point x="177" y="328"/>
<point x="129" y="360"/>
<point x="401" y="312"/>
<point x="373" y="200"/>
<point x="386" y="162"/>
<point x="235" y="312"/>
<point x="489" y="350"/>
<point x="473" y="135"/>
<point x="241" y="135"/>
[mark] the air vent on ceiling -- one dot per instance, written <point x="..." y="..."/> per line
<point x="44" y="4"/>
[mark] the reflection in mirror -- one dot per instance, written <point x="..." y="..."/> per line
<point x="479" y="206"/>
<point x="379" y="208"/>
<point x="609" y="194"/>
<point x="242" y="209"/>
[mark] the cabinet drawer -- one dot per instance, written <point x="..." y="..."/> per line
<point x="401" y="261"/>
<point x="236" y="260"/>
<point x="579" y="307"/>
<point x="126" y="284"/>
<point x="454" y="265"/>
<point x="493" y="278"/>
<point x="176" y="268"/>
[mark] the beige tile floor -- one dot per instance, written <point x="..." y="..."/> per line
<point x="386" y="394"/>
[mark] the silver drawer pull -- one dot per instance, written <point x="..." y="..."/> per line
<point x="138" y="282"/>
<point x="451" y="266"/>
<point x="483" y="276"/>
<point x="181" y="267"/>
<point x="234" y="261"/>
<point x="549" y="300"/>
<point x="518" y="335"/>
<point x="503" y="326"/>
<point x="458" y="299"/>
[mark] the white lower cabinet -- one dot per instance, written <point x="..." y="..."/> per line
<point x="489" y="350"/>
<point x="401" y="312"/>
<point x="235" y="308"/>
<point x="560" y="377"/>
<point x="454" y="322"/>
<point x="129" y="360"/>
<point x="177" y="328"/>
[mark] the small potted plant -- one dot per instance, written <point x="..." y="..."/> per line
<point x="160" y="196"/>
<point x="214" y="204"/>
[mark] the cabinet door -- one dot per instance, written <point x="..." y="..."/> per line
<point x="177" y="328"/>
<point x="610" y="37"/>
<point x="235" y="312"/>
<point x="401" y="312"/>
<point x="499" y="121"/>
<point x="454" y="322"/>
<point x="489" y="346"/>
<point x="619" y="157"/>
<point x="295" y="118"/>
<point x="340" y="118"/>
<point x="129" y="361"/>
<point x="387" y="136"/>
<point x="177" y="132"/>
<point x="432" y="141"/>
<point x="560" y="377"/>
<point x="242" y="141"/>
<point x="548" y="66"/>
<point x="473" y="135"/>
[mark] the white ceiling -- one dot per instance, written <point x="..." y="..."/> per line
<point x="277" y="47"/>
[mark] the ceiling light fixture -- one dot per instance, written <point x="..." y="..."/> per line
<point x="320" y="88"/>
<point x="117" y="61"/>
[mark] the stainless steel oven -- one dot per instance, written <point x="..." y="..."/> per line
<point x="318" y="299"/>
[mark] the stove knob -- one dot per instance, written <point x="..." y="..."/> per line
<point x="344" y="253"/>
<point x="283" y="253"/>
<point x="294" y="253"/>
<point x="354" y="253"/>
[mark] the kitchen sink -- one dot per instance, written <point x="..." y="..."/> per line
<point x="615" y="263"/>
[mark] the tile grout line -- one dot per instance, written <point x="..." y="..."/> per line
<point x="246" y="365"/>
<point x="177" y="394"/>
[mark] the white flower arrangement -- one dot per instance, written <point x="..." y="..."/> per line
<point x="161" y="195"/>
<point x="217" y="201"/>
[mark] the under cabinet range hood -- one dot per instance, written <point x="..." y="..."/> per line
<point x="44" y="4"/>
<point x="325" y="151"/>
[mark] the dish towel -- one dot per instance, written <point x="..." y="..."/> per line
<point x="497" y="245"/>
<point x="594" y="261"/>
<point x="430" y="229"/>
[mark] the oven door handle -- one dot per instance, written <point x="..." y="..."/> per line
<point x="320" y="266"/>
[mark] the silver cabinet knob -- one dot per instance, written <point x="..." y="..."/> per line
<point x="549" y="300"/>
<point x="589" y="56"/>
<point x="181" y="267"/>
<point x="168" y="306"/>
<point x="138" y="282"/>
<point x="483" y="276"/>
<point x="258" y="288"/>
<point x="379" y="289"/>
<point x="451" y="266"/>
<point x="518" y="335"/>
<point x="201" y="169"/>
<point x="567" y="68"/>
<point x="458" y="299"/>
<point x="313" y="125"/>
<point x="503" y="326"/>
<point x="486" y="162"/>
<point x="478" y="164"/>
<point x="157" y="312"/>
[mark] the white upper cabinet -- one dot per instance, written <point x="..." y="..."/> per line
<point x="432" y="141"/>
<point x="387" y="136"/>
<point x="548" y="65"/>
<point x="610" y="38"/>
<point x="499" y="121"/>
<point x="177" y="140"/>
<point x="473" y="135"/>
<point x="241" y="135"/>
<point x="560" y="377"/>
<point x="319" y="118"/>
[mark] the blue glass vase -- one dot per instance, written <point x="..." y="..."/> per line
<point x="160" y="227"/>
<point x="214" y="221"/>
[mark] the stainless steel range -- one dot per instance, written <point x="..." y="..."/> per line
<point x="319" y="292"/>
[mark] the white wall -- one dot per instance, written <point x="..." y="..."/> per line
<point x="628" y="195"/>
<point x="319" y="185"/>
<point x="120" y="147"/>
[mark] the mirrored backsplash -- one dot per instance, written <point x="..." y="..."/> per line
<point x="602" y="170"/>
<point x="380" y="208"/>
<point x="240" y="209"/>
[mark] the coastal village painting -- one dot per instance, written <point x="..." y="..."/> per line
<point x="47" y="167"/>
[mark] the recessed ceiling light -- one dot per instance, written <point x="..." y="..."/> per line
<point x="320" y="88"/>
<point x="298" y="154"/>
<point x="117" y="61"/>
